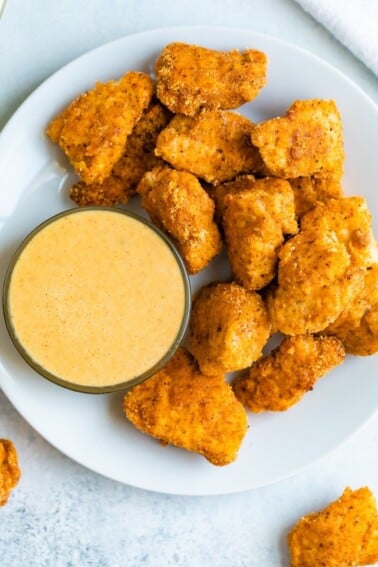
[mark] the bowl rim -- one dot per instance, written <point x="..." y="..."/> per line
<point x="112" y="387"/>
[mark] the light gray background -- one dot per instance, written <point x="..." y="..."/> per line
<point x="64" y="515"/>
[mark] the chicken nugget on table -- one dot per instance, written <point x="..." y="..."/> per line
<point x="182" y="407"/>
<point x="280" y="379"/>
<point x="178" y="204"/>
<point x="306" y="141"/>
<point x="93" y="129"/>
<point x="137" y="158"/>
<point x="190" y="77"/>
<point x="215" y="145"/>
<point x="229" y="327"/>
<point x="255" y="221"/>
<point x="344" y="534"/>
<point x="310" y="191"/>
<point x="357" y="325"/>
<point x="9" y="470"/>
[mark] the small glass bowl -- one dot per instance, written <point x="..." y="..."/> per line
<point x="112" y="387"/>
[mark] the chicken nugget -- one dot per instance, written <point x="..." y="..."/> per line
<point x="357" y="325"/>
<point x="177" y="203"/>
<point x="344" y="534"/>
<point x="214" y="145"/>
<point x="182" y="407"/>
<point x="350" y="220"/>
<point x="307" y="141"/>
<point x="255" y="221"/>
<point x="316" y="282"/>
<point x="310" y="191"/>
<point x="190" y="77"/>
<point x="93" y="129"/>
<point x="138" y="157"/>
<point x="321" y="270"/>
<point x="9" y="471"/>
<point x="229" y="327"/>
<point x="279" y="380"/>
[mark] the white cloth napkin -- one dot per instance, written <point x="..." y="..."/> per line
<point x="353" y="22"/>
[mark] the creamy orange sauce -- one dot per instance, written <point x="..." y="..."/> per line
<point x="96" y="298"/>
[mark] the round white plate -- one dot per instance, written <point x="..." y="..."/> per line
<point x="91" y="429"/>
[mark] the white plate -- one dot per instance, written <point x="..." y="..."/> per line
<point x="91" y="429"/>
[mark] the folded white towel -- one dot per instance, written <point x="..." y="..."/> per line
<point x="353" y="22"/>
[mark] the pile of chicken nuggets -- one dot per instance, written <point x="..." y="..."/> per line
<point x="303" y="256"/>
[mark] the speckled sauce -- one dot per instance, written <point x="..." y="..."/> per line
<point x="96" y="298"/>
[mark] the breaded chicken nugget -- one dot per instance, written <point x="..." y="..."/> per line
<point x="182" y="407"/>
<point x="322" y="269"/>
<point x="190" y="77"/>
<point x="178" y="204"/>
<point x="229" y="327"/>
<point x="214" y="145"/>
<point x="344" y="534"/>
<point x="310" y="191"/>
<point x="316" y="282"/>
<point x="307" y="141"/>
<point x="357" y="325"/>
<point x="255" y="221"/>
<point x="92" y="130"/>
<point x="138" y="157"/>
<point x="9" y="471"/>
<point x="351" y="220"/>
<point x="279" y="380"/>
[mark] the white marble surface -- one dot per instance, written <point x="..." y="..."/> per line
<point x="64" y="515"/>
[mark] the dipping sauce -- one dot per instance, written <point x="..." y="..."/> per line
<point x="96" y="298"/>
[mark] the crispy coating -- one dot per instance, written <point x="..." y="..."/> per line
<point x="279" y="380"/>
<point x="351" y="220"/>
<point x="214" y="145"/>
<point x="218" y="192"/>
<point x="229" y="327"/>
<point x="178" y="204"/>
<point x="138" y="157"/>
<point x="307" y="141"/>
<point x="310" y="191"/>
<point x="255" y="221"/>
<point x="93" y="129"/>
<point x="9" y="471"/>
<point x="344" y="534"/>
<point x="183" y="407"/>
<point x="322" y="269"/>
<point x="190" y="77"/>
<point x="357" y="325"/>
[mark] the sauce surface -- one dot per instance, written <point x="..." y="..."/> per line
<point x="96" y="298"/>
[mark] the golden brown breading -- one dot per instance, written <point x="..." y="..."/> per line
<point x="344" y="534"/>
<point x="321" y="270"/>
<point x="310" y="191"/>
<point x="178" y="204"/>
<point x="92" y="130"/>
<point x="229" y="327"/>
<point x="357" y="325"/>
<point x="316" y="281"/>
<point x="280" y="380"/>
<point x="182" y="407"/>
<point x="9" y="471"/>
<point x="307" y="141"/>
<point x="351" y="220"/>
<point x="218" y="192"/>
<point x="138" y="157"/>
<point x="255" y="221"/>
<point x="214" y="145"/>
<point x="190" y="77"/>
